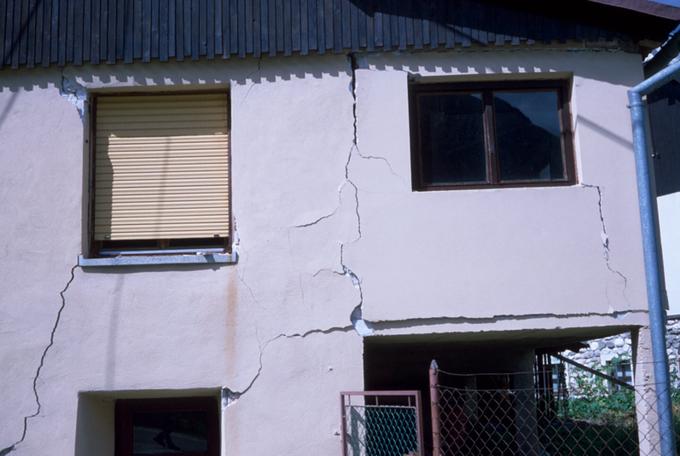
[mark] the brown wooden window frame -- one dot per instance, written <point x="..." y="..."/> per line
<point x="126" y="408"/>
<point x="486" y="89"/>
<point x="171" y="246"/>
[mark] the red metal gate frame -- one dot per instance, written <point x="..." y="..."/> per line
<point x="415" y="394"/>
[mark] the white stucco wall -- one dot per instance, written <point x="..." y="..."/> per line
<point x="531" y="251"/>
<point x="185" y="327"/>
<point x="669" y="227"/>
<point x="308" y="208"/>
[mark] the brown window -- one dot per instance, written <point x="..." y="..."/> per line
<point x="479" y="135"/>
<point x="188" y="426"/>
<point x="160" y="178"/>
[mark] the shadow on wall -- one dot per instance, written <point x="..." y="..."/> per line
<point x="621" y="141"/>
<point x="95" y="425"/>
<point x="29" y="80"/>
<point x="145" y="76"/>
<point x="5" y="110"/>
<point x="234" y="71"/>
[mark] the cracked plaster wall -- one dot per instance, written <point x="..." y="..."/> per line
<point x="537" y="252"/>
<point x="282" y="314"/>
<point x="324" y="224"/>
<point x="39" y="230"/>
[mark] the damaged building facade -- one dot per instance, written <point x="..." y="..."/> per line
<point x="242" y="209"/>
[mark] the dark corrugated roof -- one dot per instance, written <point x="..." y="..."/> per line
<point x="61" y="32"/>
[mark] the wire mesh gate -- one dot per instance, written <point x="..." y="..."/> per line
<point x="381" y="423"/>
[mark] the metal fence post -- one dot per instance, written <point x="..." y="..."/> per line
<point x="434" y="407"/>
<point x="343" y="424"/>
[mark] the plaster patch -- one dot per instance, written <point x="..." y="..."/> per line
<point x="229" y="398"/>
<point x="361" y="326"/>
<point x="76" y="94"/>
<point x="353" y="277"/>
<point x="236" y="242"/>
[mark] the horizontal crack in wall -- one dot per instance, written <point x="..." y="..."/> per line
<point x="433" y="321"/>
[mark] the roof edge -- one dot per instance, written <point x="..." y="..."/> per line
<point x="649" y="7"/>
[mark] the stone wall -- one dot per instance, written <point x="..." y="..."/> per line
<point x="601" y="352"/>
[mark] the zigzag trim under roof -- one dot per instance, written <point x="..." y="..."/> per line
<point x="47" y="32"/>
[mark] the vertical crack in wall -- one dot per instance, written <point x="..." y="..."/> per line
<point x="605" y="238"/>
<point x="243" y="262"/>
<point x="242" y="278"/>
<point x="362" y="327"/>
<point x="252" y="82"/>
<point x="357" y="61"/>
<point x="40" y="366"/>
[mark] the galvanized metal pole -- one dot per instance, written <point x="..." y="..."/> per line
<point x="657" y="314"/>
<point x="434" y="407"/>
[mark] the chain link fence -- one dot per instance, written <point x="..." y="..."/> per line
<point x="381" y="423"/>
<point x="522" y="414"/>
<point x="557" y="409"/>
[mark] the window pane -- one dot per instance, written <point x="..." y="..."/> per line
<point x="452" y="138"/>
<point x="170" y="432"/>
<point x="528" y="136"/>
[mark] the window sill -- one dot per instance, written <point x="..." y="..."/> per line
<point x="149" y="260"/>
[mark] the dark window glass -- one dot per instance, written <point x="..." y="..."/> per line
<point x="491" y="135"/>
<point x="178" y="432"/>
<point x="167" y="426"/>
<point x="452" y="140"/>
<point x="528" y="136"/>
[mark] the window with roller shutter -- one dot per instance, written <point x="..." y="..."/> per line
<point x="160" y="174"/>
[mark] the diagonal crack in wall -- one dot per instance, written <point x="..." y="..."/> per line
<point x="9" y="449"/>
<point x="605" y="237"/>
<point x="230" y="397"/>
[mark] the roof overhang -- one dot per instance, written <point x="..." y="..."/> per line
<point x="649" y="7"/>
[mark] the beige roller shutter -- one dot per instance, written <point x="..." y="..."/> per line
<point x="161" y="167"/>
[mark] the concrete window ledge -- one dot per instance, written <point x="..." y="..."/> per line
<point x="149" y="260"/>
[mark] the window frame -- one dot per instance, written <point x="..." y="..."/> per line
<point x="487" y="88"/>
<point x="95" y="249"/>
<point x="618" y="370"/>
<point x="125" y="408"/>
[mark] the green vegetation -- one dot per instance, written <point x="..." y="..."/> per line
<point x="592" y="398"/>
<point x="595" y="418"/>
